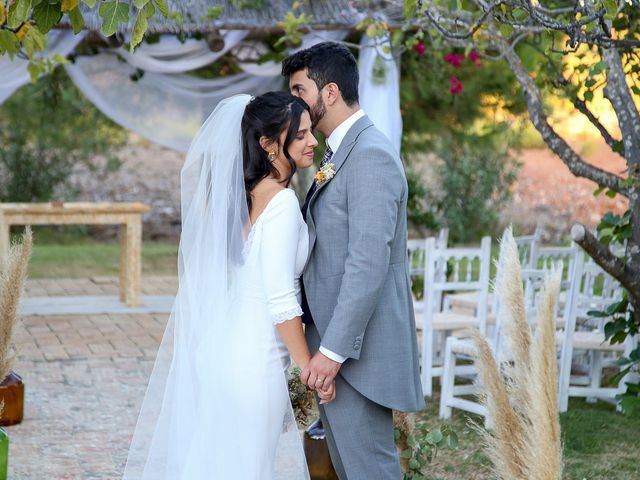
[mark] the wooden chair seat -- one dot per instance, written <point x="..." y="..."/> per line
<point x="591" y="341"/>
<point x="453" y="321"/>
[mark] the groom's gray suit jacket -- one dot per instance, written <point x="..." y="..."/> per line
<point x="357" y="276"/>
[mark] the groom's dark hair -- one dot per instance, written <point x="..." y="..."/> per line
<point x="327" y="62"/>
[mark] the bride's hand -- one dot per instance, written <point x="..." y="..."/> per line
<point x="327" y="394"/>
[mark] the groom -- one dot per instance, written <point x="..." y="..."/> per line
<point x="357" y="300"/>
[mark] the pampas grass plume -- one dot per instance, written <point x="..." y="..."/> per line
<point x="12" y="276"/>
<point x="520" y="395"/>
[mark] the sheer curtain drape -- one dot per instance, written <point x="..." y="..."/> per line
<point x="167" y="105"/>
<point x="14" y="73"/>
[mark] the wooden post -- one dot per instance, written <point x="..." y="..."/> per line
<point x="4" y="238"/>
<point x="132" y="268"/>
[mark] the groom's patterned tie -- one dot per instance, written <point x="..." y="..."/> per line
<point x="328" y="153"/>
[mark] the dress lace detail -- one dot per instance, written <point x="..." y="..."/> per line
<point x="287" y="315"/>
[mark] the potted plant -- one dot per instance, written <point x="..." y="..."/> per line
<point x="12" y="275"/>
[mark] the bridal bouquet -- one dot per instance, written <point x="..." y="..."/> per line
<point x="301" y="396"/>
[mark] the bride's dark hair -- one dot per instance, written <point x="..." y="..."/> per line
<point x="268" y="116"/>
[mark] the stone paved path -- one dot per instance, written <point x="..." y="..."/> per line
<point x="85" y="377"/>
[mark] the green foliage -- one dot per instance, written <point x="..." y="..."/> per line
<point x="293" y="25"/>
<point x="474" y="178"/>
<point x="614" y="228"/>
<point x="419" y="214"/>
<point x="621" y="325"/>
<point x="249" y="4"/>
<point x="430" y="111"/>
<point x="46" y="129"/>
<point x="420" y="446"/>
<point x="113" y="14"/>
<point x="46" y="14"/>
<point x="18" y="13"/>
<point x="435" y="120"/>
<point x="9" y="43"/>
<point x="213" y="12"/>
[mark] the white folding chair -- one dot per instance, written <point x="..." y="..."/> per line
<point x="527" y="247"/>
<point x="416" y="251"/>
<point x="467" y="269"/>
<point x="549" y="257"/>
<point x="452" y="395"/>
<point x="596" y="290"/>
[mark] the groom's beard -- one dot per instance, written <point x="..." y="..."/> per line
<point x="318" y="111"/>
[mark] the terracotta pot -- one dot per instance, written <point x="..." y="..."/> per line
<point x="317" y="453"/>
<point x="12" y="394"/>
<point x="4" y="454"/>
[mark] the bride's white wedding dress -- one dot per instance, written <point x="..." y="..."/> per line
<point x="217" y="405"/>
<point x="268" y="293"/>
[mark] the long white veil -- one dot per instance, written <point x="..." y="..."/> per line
<point x="202" y="415"/>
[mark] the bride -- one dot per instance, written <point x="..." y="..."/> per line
<point x="217" y="405"/>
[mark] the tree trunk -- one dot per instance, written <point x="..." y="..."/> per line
<point x="618" y="93"/>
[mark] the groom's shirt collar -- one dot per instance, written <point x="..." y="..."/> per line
<point x="336" y="137"/>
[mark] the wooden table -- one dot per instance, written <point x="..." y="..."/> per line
<point x="127" y="215"/>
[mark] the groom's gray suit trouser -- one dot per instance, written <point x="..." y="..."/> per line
<point x="363" y="447"/>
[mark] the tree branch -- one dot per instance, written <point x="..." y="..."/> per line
<point x="611" y="264"/>
<point x="582" y="107"/>
<point x="460" y="36"/>
<point x="560" y="147"/>
<point x="538" y="17"/>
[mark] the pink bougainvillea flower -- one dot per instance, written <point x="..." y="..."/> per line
<point x="455" y="86"/>
<point x="454" y="59"/>
<point x="420" y="48"/>
<point x="474" y="57"/>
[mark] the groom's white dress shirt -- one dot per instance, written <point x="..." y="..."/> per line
<point x="334" y="141"/>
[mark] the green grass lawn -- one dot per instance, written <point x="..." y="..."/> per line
<point x="599" y="443"/>
<point x="72" y="254"/>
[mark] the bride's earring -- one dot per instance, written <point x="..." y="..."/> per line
<point x="272" y="156"/>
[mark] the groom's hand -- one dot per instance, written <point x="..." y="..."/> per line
<point x="327" y="395"/>
<point x="320" y="372"/>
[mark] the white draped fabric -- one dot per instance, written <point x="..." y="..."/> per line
<point x="170" y="55"/>
<point x="167" y="109"/>
<point x="167" y="105"/>
<point x="14" y="73"/>
<point x="380" y="88"/>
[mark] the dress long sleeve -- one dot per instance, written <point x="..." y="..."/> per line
<point x="278" y="249"/>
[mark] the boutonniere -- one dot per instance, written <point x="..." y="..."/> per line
<point x="326" y="173"/>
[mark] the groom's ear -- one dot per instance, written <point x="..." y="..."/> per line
<point x="333" y="93"/>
